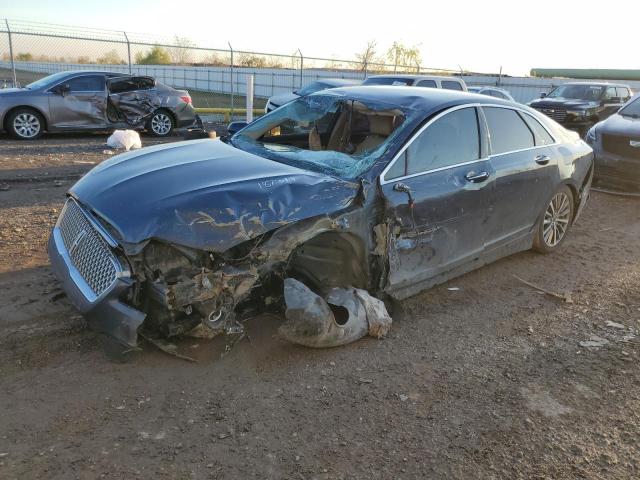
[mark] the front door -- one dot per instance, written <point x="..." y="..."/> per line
<point x="437" y="192"/>
<point x="79" y="103"/>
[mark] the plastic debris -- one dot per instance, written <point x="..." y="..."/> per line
<point x="126" y="139"/>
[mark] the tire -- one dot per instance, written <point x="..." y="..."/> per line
<point x="25" y="124"/>
<point x="555" y="221"/>
<point x="161" y="124"/>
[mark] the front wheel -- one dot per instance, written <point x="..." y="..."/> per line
<point x="160" y="124"/>
<point x="555" y="222"/>
<point x="25" y="124"/>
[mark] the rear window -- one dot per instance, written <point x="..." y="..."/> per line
<point x="451" y="85"/>
<point x="541" y="135"/>
<point x="130" y="84"/>
<point x="388" y="81"/>
<point x="507" y="130"/>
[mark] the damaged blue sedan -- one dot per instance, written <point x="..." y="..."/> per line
<point x="389" y="190"/>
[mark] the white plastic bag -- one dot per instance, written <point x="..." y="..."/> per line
<point x="126" y="139"/>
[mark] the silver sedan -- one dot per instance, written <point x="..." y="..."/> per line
<point x="87" y="100"/>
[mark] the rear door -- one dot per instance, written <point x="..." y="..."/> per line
<point x="611" y="102"/>
<point x="132" y="99"/>
<point x="525" y="166"/>
<point x="437" y="191"/>
<point x="79" y="102"/>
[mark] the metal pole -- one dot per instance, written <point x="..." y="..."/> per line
<point x="250" y="98"/>
<point x="128" y="50"/>
<point x="500" y="76"/>
<point x="13" y="65"/>
<point x="232" y="86"/>
<point x="301" y="66"/>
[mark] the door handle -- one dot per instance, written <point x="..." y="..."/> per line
<point x="542" y="159"/>
<point x="476" y="177"/>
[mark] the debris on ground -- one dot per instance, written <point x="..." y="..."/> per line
<point x="346" y="315"/>
<point x="166" y="347"/>
<point x="561" y="296"/>
<point x="126" y="139"/>
<point x="617" y="325"/>
<point x="594" y="342"/>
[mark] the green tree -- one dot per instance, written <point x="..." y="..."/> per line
<point x="156" y="56"/>
<point x="110" y="58"/>
<point x="400" y="55"/>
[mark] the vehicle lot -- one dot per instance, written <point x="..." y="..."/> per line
<point x="485" y="381"/>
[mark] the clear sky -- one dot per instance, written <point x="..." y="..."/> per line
<point x="478" y="35"/>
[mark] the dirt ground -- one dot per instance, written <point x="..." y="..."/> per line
<point x="483" y="377"/>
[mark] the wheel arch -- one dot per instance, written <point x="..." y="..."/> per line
<point x="9" y="112"/>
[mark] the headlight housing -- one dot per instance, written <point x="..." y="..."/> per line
<point x="591" y="136"/>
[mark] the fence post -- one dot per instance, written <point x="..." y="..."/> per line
<point x="13" y="65"/>
<point x="232" y="85"/>
<point x="126" y="37"/>
<point x="250" y="98"/>
<point x="301" y="66"/>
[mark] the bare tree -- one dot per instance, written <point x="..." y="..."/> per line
<point x="400" y="55"/>
<point x="367" y="55"/>
<point x="180" y="52"/>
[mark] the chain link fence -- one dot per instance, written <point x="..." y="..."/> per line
<point x="215" y="77"/>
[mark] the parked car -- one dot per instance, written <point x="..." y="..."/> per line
<point x="388" y="189"/>
<point x="86" y="100"/>
<point x="313" y="87"/>
<point x="580" y="105"/>
<point x="429" y="81"/>
<point x="616" y="144"/>
<point x="492" y="92"/>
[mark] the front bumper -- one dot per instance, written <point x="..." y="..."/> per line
<point x="106" y="312"/>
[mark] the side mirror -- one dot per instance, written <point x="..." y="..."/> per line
<point x="235" y="127"/>
<point x="542" y="95"/>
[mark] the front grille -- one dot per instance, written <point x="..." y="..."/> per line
<point x="621" y="145"/>
<point x="558" y="114"/>
<point x="88" y="251"/>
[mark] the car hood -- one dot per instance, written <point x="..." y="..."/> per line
<point x="12" y="91"/>
<point x="563" y="102"/>
<point x="620" y="125"/>
<point x="283" y="98"/>
<point x="205" y="194"/>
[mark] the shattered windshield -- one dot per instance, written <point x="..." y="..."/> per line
<point x="577" y="92"/>
<point x="326" y="133"/>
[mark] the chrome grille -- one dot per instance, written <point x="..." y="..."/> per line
<point x="558" y="114"/>
<point x="88" y="251"/>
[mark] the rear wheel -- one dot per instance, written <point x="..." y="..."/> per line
<point x="25" y="124"/>
<point x="160" y="124"/>
<point x="555" y="222"/>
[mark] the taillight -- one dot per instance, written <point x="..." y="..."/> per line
<point x="186" y="99"/>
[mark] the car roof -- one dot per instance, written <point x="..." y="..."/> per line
<point x="423" y="99"/>
<point x="339" y="81"/>
<point x="597" y="84"/>
<point x="415" y="77"/>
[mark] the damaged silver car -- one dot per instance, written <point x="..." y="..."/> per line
<point x="385" y="190"/>
<point x="89" y="101"/>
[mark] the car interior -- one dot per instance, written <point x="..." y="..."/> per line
<point x="352" y="128"/>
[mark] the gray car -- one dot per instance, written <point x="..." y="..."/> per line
<point x="89" y="100"/>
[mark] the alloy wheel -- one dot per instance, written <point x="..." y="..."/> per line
<point x="161" y="124"/>
<point x="26" y="125"/>
<point x="556" y="219"/>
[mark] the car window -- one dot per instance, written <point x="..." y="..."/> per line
<point x="507" y="130"/>
<point x="542" y="137"/>
<point x="609" y="93"/>
<point x="427" y="83"/>
<point x="87" y="83"/>
<point x="623" y="93"/>
<point x="498" y="94"/>
<point x="451" y="85"/>
<point x="450" y="140"/>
